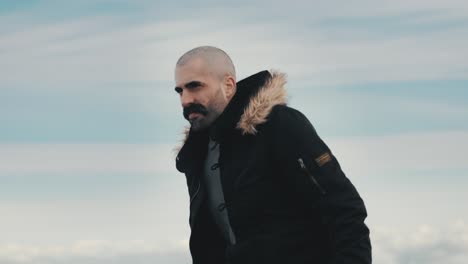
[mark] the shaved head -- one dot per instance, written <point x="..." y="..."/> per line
<point x="205" y="81"/>
<point x="217" y="61"/>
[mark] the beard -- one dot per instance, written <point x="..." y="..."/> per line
<point x="207" y="115"/>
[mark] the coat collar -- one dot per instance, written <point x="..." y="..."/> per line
<point x="253" y="101"/>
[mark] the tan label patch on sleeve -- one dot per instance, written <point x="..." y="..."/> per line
<point x="322" y="159"/>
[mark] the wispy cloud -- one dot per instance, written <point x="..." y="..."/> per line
<point x="93" y="48"/>
<point x="400" y="153"/>
<point x="97" y="251"/>
<point x="86" y="158"/>
<point x="429" y="150"/>
<point x="424" y="244"/>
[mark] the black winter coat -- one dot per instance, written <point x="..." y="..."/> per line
<point x="287" y="198"/>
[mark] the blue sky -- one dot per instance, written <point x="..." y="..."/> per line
<point x="89" y="118"/>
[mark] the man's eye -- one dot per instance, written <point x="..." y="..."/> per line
<point x="178" y="90"/>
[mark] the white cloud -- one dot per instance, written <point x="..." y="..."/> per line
<point x="87" y="158"/>
<point x="102" y="251"/>
<point x="93" y="49"/>
<point x="158" y="217"/>
<point x="428" y="150"/>
<point x="362" y="8"/>
<point x="384" y="169"/>
<point x="367" y="156"/>
<point x="424" y="244"/>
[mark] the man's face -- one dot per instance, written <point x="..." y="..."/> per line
<point x="202" y="93"/>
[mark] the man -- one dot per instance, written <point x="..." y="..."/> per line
<point x="263" y="186"/>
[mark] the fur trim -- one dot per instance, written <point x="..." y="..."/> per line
<point x="271" y="94"/>
<point x="177" y="148"/>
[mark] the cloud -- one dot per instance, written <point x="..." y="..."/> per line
<point x="97" y="251"/>
<point x="143" y="222"/>
<point x="403" y="153"/>
<point x="361" y="155"/>
<point x="102" y="48"/>
<point x="424" y="244"/>
<point x="428" y="150"/>
<point x="157" y="159"/>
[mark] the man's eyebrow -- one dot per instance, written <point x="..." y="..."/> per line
<point x="189" y="85"/>
<point x="193" y="84"/>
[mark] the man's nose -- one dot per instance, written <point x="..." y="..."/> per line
<point x="186" y="99"/>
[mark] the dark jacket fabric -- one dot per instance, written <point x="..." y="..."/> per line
<point x="287" y="198"/>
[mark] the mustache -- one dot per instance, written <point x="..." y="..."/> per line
<point x="194" y="108"/>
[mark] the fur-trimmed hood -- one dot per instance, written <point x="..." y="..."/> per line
<point x="253" y="101"/>
<point x="259" y="106"/>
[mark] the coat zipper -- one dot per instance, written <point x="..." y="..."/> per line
<point x="196" y="192"/>
<point x="314" y="181"/>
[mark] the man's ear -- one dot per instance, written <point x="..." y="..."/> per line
<point x="230" y="83"/>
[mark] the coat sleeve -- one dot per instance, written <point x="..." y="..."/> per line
<point x="315" y="174"/>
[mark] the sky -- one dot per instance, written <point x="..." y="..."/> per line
<point x="89" y="118"/>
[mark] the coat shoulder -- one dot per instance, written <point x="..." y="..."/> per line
<point x="288" y="120"/>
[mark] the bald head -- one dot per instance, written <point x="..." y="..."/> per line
<point x="205" y="81"/>
<point x="216" y="60"/>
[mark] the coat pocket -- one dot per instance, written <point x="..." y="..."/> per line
<point x="311" y="177"/>
<point x="193" y="190"/>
